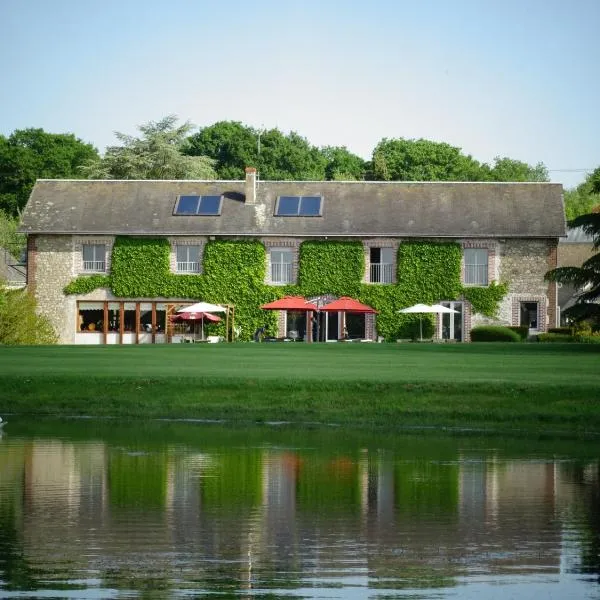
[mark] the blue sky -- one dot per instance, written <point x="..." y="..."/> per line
<point x="511" y="78"/>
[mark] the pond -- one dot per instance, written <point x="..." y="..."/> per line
<point x="105" y="509"/>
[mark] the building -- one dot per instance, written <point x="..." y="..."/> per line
<point x="573" y="251"/>
<point x="109" y="260"/>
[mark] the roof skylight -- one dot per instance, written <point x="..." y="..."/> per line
<point x="198" y="205"/>
<point x="298" y="206"/>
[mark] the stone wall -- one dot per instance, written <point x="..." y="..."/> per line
<point x="50" y="269"/>
<point x="55" y="260"/>
<point x="523" y="263"/>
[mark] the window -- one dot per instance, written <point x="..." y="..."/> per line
<point x="94" y="257"/>
<point x="298" y="206"/>
<point x="281" y="266"/>
<point x="91" y="317"/>
<point x="198" y="205"/>
<point x="188" y="259"/>
<point x="476" y="266"/>
<point x="382" y="265"/>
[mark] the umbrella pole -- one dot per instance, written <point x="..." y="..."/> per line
<point x="421" y="327"/>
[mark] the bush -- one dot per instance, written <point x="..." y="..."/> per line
<point x="19" y="321"/>
<point x="494" y="333"/>
<point x="561" y="338"/>
<point x="563" y="330"/>
<point x="521" y="330"/>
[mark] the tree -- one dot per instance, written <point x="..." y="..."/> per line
<point x="584" y="197"/>
<point x="19" y="321"/>
<point x="342" y="165"/>
<point x="508" y="169"/>
<point x="30" y="154"/>
<point x="276" y="156"/>
<point x="586" y="278"/>
<point x="230" y="144"/>
<point x="157" y="154"/>
<point x="10" y="239"/>
<point x="423" y="160"/>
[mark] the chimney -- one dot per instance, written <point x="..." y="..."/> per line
<point x="250" y="187"/>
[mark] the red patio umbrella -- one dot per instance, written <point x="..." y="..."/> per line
<point x="290" y="303"/>
<point x="196" y="316"/>
<point x="347" y="304"/>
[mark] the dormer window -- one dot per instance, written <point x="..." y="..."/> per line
<point x="298" y="206"/>
<point x="198" y="205"/>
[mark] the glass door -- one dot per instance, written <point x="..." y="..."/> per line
<point x="451" y="324"/>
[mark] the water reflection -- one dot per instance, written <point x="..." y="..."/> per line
<point x="241" y="513"/>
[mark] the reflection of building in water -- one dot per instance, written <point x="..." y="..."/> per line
<point x="64" y="496"/>
<point x="249" y="513"/>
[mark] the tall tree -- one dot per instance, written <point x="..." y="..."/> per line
<point x="342" y="165"/>
<point x="10" y="239"/>
<point x="508" y="169"/>
<point x="157" y="154"/>
<point x="230" y="144"/>
<point x="276" y="156"/>
<point x="586" y="278"/>
<point x="30" y="154"/>
<point x="423" y="160"/>
<point x="584" y="197"/>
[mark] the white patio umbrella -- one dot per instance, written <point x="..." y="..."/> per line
<point x="426" y="308"/>
<point x="440" y="308"/>
<point x="202" y="307"/>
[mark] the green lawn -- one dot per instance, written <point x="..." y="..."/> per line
<point x="533" y="386"/>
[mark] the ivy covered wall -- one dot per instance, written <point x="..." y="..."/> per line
<point x="234" y="273"/>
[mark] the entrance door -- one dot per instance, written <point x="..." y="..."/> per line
<point x="451" y="324"/>
<point x="529" y="316"/>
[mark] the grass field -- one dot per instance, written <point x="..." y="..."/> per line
<point x="542" y="387"/>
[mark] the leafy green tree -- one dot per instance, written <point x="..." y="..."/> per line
<point x="159" y="153"/>
<point x="423" y="160"/>
<point x="230" y="144"/>
<point x="585" y="278"/>
<point x="276" y="156"/>
<point x="584" y="197"/>
<point x="342" y="165"/>
<point x="19" y="322"/>
<point x="508" y="169"/>
<point x="10" y="238"/>
<point x="30" y="154"/>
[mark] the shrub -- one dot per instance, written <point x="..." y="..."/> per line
<point x="494" y="333"/>
<point x="521" y="330"/>
<point x="19" y="321"/>
<point x="563" y="330"/>
<point x="556" y="337"/>
<point x="588" y="339"/>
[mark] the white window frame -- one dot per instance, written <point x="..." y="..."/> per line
<point x="384" y="270"/>
<point x="281" y="272"/>
<point x="95" y="265"/>
<point x="188" y="266"/>
<point x="476" y="269"/>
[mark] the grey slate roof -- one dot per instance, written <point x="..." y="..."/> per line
<point x="576" y="235"/>
<point x="363" y="209"/>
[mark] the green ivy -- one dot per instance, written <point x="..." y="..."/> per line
<point x="234" y="273"/>
<point x="331" y="268"/>
<point x="139" y="267"/>
<point x="88" y="283"/>
<point x="484" y="300"/>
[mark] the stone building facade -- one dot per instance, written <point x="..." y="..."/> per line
<point x="508" y="233"/>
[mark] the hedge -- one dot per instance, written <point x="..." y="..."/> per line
<point x="494" y="333"/>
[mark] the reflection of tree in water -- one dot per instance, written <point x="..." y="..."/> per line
<point x="588" y="476"/>
<point x="14" y="568"/>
